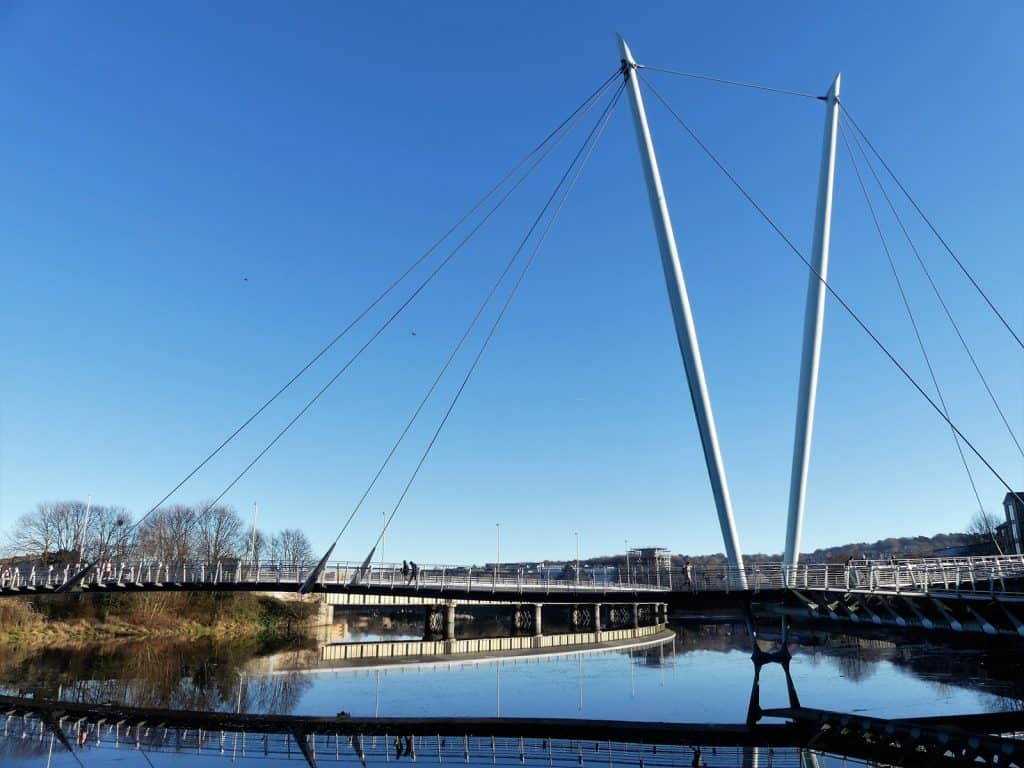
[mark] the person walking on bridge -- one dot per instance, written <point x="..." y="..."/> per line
<point x="415" y="577"/>
<point x="405" y="571"/>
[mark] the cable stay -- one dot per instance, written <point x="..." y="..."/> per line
<point x="311" y="579"/>
<point x="737" y="83"/>
<point x="931" y="226"/>
<point x="913" y="320"/>
<point x="538" y="154"/>
<point x="938" y="293"/>
<point x="394" y="315"/>
<point x="832" y="291"/>
<point x="580" y="162"/>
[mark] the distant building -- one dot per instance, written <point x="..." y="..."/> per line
<point x="652" y="557"/>
<point x="1009" y="533"/>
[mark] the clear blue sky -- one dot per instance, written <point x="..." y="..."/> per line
<point x="195" y="197"/>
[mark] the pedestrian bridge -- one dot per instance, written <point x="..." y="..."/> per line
<point x="510" y="583"/>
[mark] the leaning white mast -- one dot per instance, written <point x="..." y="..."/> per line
<point x="813" y="320"/>
<point x="683" y="317"/>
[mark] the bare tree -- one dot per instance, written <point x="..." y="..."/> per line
<point x="54" y="527"/>
<point x="170" y="534"/>
<point x="219" y="533"/>
<point x="257" y="544"/>
<point x="110" y="534"/>
<point x="291" y="548"/>
<point x="983" y="525"/>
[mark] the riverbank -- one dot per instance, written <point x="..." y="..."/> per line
<point x="54" y="622"/>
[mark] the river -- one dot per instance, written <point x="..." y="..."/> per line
<point x="702" y="674"/>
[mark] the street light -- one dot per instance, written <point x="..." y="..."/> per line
<point x="577" y="534"/>
<point x="497" y="536"/>
<point x="627" y="561"/>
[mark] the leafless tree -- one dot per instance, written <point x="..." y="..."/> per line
<point x="110" y="534"/>
<point x="219" y="533"/>
<point x="53" y="527"/>
<point x="71" y="529"/>
<point x="170" y="534"/>
<point x="257" y="545"/>
<point x="291" y="547"/>
<point x="983" y="525"/>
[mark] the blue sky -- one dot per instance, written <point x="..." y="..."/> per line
<point x="196" y="197"/>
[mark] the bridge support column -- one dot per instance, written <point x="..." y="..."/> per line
<point x="449" y="620"/>
<point x="597" y="621"/>
<point x="538" y="629"/>
<point x="636" y="616"/>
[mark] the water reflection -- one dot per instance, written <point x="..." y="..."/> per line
<point x="207" y="675"/>
<point x="702" y="675"/>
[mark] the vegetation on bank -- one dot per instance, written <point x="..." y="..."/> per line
<point x="65" y="533"/>
<point x="53" y="621"/>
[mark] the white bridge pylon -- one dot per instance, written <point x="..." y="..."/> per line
<point x="814" y="318"/>
<point x="686" y="331"/>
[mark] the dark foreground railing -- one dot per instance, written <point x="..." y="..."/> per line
<point x="31" y="726"/>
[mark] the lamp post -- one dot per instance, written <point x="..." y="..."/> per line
<point x="497" y="541"/>
<point x="577" y="534"/>
<point x="627" y="561"/>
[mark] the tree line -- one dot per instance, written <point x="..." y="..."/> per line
<point x="74" y="531"/>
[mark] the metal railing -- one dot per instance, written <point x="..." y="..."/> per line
<point x="919" y="575"/>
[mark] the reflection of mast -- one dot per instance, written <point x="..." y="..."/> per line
<point x="580" y="657"/>
<point x="661" y="664"/>
<point x="497" y="688"/>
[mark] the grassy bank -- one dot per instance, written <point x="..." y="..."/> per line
<point x="34" y="622"/>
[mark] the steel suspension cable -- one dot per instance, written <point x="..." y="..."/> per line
<point x="935" y="231"/>
<point x="383" y="326"/>
<point x="543" y="149"/>
<point x="723" y="81"/>
<point x="912" y="318"/>
<point x="590" y="144"/>
<point x="455" y="350"/>
<point x="935" y="289"/>
<point x="828" y="287"/>
<point x="584" y="106"/>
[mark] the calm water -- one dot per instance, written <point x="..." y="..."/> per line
<point x="704" y="675"/>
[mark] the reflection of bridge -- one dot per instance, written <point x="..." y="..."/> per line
<point x="802" y="736"/>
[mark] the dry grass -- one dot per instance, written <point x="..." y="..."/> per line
<point x="76" y="619"/>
